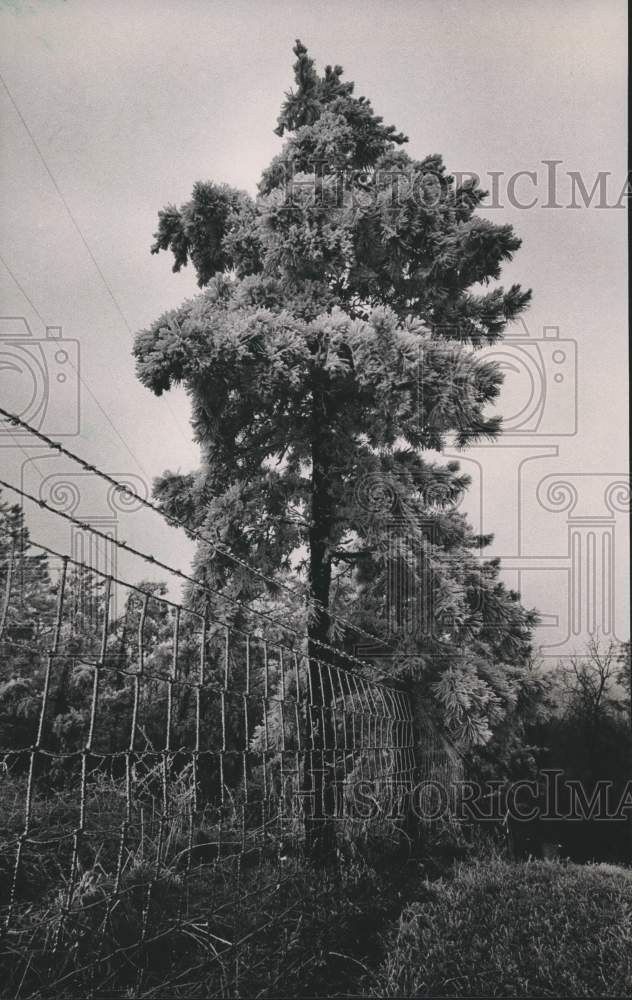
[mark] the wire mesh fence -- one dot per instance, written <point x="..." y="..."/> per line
<point x="156" y="770"/>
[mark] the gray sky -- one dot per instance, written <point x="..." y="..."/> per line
<point x="111" y="110"/>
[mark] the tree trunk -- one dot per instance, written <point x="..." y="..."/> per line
<point x="319" y="776"/>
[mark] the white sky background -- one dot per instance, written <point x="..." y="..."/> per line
<point x="131" y="102"/>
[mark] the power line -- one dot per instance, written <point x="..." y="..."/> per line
<point x="148" y="504"/>
<point x="63" y="201"/>
<point x="85" y="384"/>
<point x="24" y="293"/>
<point x="78" y="229"/>
<point x="105" y="576"/>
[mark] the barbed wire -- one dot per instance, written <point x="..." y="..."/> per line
<point x="101" y="573"/>
<point x="162" y="801"/>
<point x="195" y="533"/>
<point x="153" y="561"/>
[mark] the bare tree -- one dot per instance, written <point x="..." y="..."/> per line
<point x="593" y="680"/>
<point x="625" y="673"/>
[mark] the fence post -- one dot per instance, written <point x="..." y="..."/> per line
<point x="411" y="829"/>
<point x="438" y="767"/>
<point x="318" y="785"/>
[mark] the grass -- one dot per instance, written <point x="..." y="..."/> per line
<point x="183" y="922"/>
<point x="300" y="933"/>
<point x="514" y="930"/>
<point x="180" y="922"/>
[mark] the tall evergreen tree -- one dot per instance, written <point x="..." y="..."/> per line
<point x="333" y="339"/>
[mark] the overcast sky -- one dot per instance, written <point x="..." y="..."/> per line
<point x="111" y="110"/>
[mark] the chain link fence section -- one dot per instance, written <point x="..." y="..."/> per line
<point x="153" y="781"/>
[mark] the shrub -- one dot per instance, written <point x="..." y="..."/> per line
<point x="497" y="929"/>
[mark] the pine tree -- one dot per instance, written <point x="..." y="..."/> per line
<point x="334" y="339"/>
<point x="448" y="620"/>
